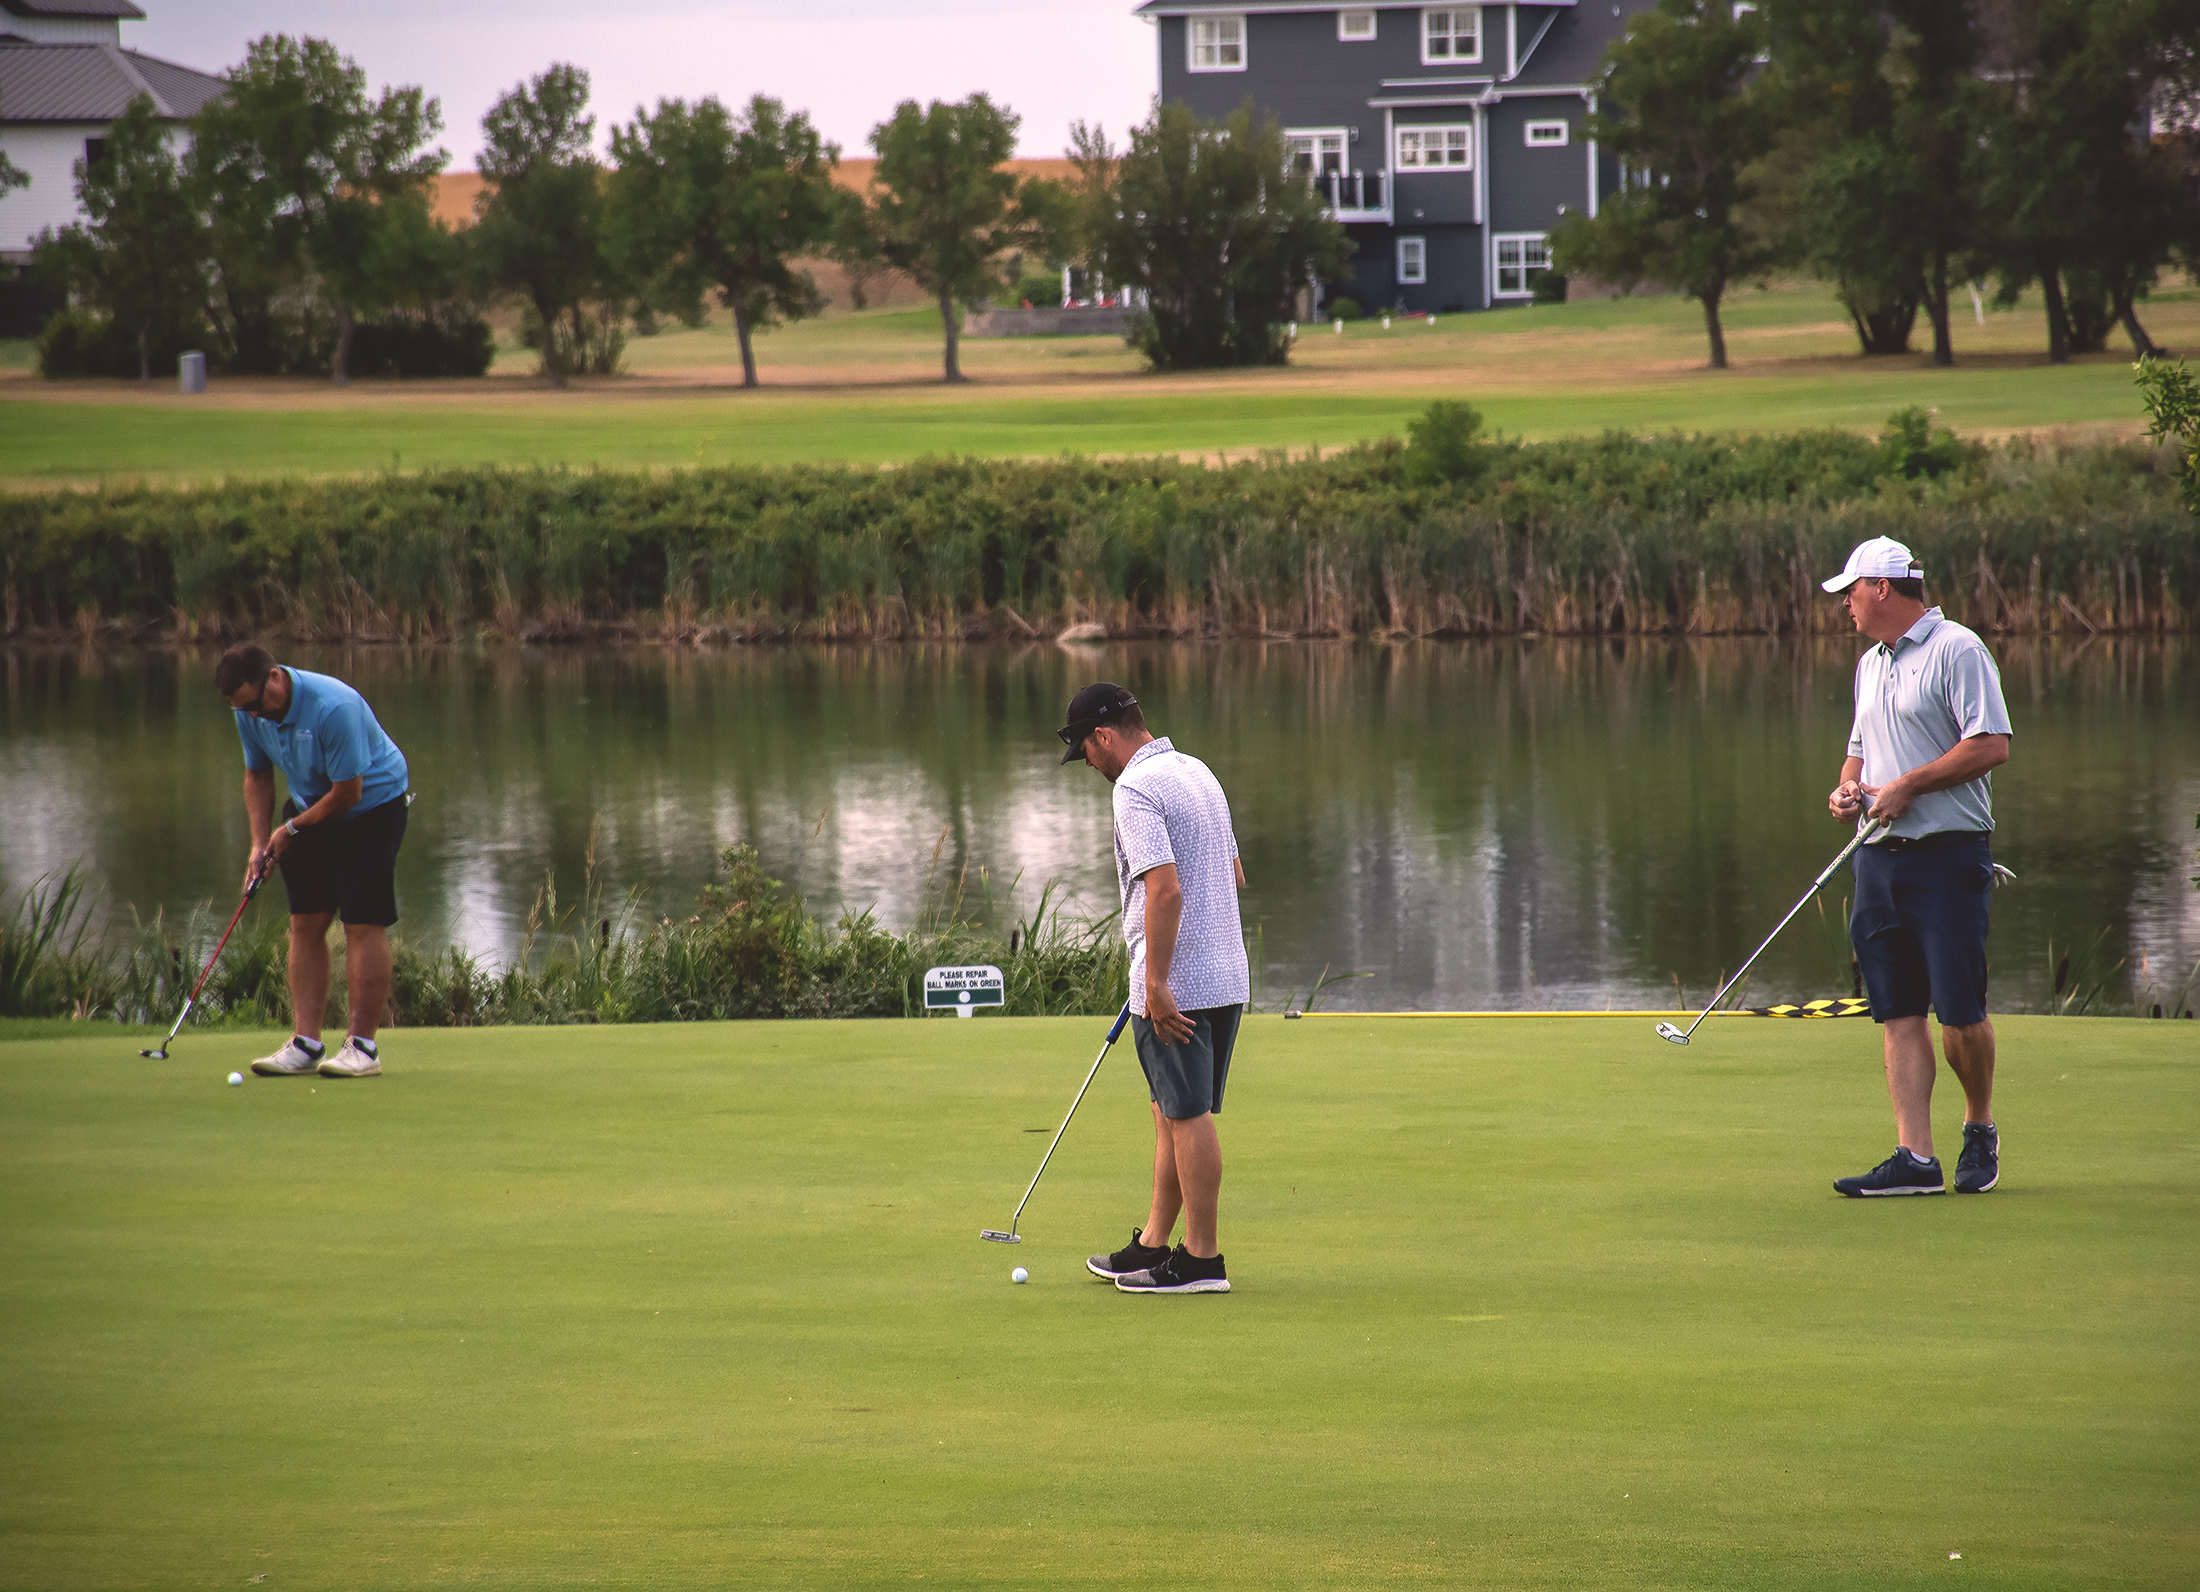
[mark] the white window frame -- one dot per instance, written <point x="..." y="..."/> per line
<point x="1223" y="34"/>
<point x="1564" y="130"/>
<point x="1452" y="14"/>
<point x="1345" y="19"/>
<point x="1409" y="150"/>
<point x="1343" y="136"/>
<point x="1415" y="273"/>
<point x="1523" y="265"/>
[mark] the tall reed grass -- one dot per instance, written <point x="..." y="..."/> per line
<point x="1620" y="534"/>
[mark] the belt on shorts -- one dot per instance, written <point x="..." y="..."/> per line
<point x="1938" y="840"/>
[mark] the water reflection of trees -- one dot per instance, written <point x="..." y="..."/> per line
<point x="1505" y="823"/>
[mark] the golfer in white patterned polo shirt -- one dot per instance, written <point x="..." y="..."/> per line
<point x="1176" y="860"/>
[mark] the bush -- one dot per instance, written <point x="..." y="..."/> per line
<point x="1042" y="290"/>
<point x="1911" y="447"/>
<point x="1342" y="309"/>
<point x="1444" y="445"/>
<point x="1548" y="287"/>
<point x="423" y="345"/>
<point x="78" y="343"/>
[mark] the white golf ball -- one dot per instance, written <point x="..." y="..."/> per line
<point x="235" y="1078"/>
<point x="1019" y="1275"/>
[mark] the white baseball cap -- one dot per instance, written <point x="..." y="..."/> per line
<point x="1881" y="558"/>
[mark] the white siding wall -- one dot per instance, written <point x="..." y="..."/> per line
<point x="64" y="30"/>
<point x="49" y="151"/>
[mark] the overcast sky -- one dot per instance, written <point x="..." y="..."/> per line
<point x="847" y="62"/>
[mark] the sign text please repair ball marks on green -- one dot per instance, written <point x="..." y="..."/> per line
<point x="964" y="989"/>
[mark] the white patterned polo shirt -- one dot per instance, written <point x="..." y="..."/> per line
<point x="1936" y="686"/>
<point x="1169" y="807"/>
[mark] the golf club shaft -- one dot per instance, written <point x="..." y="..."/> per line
<point x="207" y="972"/>
<point x="1114" y="1033"/>
<point x="1816" y="885"/>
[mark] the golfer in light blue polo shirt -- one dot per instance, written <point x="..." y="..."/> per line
<point x="336" y="843"/>
<point x="1930" y="728"/>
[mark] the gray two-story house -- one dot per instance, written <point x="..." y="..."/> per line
<point x="1449" y="139"/>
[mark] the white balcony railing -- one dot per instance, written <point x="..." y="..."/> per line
<point x="1357" y="195"/>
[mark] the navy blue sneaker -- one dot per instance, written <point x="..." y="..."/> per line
<point x="1181" y="1272"/>
<point x="1978" y="1168"/>
<point x="1899" y="1173"/>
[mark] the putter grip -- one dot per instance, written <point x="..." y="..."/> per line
<point x="1121" y="1018"/>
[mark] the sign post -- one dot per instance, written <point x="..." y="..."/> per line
<point x="964" y="989"/>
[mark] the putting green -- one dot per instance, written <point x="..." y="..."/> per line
<point x="1519" y="1304"/>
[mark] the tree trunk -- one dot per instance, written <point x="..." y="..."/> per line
<point x="553" y="364"/>
<point x="1936" y="309"/>
<point x="2128" y="316"/>
<point x="741" y="329"/>
<point x="2058" y="319"/>
<point x="952" y="324"/>
<point x="1711" y="325"/>
<point x="339" y="365"/>
<point x="145" y="352"/>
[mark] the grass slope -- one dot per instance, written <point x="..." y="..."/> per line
<point x="863" y="388"/>
<point x="1520" y="1304"/>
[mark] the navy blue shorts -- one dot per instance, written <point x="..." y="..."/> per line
<point x="1187" y="1080"/>
<point x="1919" y="928"/>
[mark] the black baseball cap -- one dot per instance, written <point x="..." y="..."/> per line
<point x="1088" y="710"/>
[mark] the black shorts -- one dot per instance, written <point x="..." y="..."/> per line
<point x="1919" y="927"/>
<point x="1187" y="1080"/>
<point x="347" y="867"/>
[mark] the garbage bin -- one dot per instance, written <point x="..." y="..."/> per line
<point x="191" y="372"/>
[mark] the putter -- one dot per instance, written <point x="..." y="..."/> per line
<point x="1668" y="1031"/>
<point x="993" y="1235"/>
<point x="250" y="891"/>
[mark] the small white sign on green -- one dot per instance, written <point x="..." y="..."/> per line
<point x="964" y="989"/>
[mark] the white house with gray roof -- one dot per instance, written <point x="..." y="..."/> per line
<point x="64" y="80"/>
<point x="1449" y="139"/>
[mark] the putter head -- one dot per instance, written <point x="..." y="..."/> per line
<point x="158" y="1055"/>
<point x="1667" y="1031"/>
<point x="993" y="1235"/>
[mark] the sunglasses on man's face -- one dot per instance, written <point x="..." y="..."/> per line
<point x="257" y="706"/>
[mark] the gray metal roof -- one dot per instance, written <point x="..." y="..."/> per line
<point x="121" y="9"/>
<point x="94" y="83"/>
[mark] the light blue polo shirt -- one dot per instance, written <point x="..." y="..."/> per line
<point x="328" y="734"/>
<point x="1936" y="686"/>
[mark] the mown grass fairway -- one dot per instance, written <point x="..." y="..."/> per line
<point x="1519" y="1304"/>
<point x="864" y="389"/>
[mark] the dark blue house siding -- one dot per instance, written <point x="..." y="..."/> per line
<point x="1299" y="71"/>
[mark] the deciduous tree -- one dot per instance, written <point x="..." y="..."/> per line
<point x="1206" y="223"/>
<point x="309" y="179"/>
<point x="540" y="217"/>
<point x="944" y="210"/>
<point x="704" y="199"/>
<point x="1681" y="103"/>
<point x="140" y="253"/>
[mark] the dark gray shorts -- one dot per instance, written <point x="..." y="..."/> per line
<point x="1186" y="1080"/>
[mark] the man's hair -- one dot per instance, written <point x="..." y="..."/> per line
<point x="241" y="665"/>
<point x="1908" y="586"/>
<point x="1128" y="718"/>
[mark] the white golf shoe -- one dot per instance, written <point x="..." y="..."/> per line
<point x="350" y="1062"/>
<point x="289" y="1062"/>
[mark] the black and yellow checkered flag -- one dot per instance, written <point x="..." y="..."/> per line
<point x="1839" y="1006"/>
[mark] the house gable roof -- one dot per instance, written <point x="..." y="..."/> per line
<point x="95" y="82"/>
<point x="120" y="10"/>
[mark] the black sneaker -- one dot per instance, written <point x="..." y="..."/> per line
<point x="1978" y="1168"/>
<point x="1182" y="1272"/>
<point x="1899" y="1173"/>
<point x="1133" y="1256"/>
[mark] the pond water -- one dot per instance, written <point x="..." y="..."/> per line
<point x="1530" y="824"/>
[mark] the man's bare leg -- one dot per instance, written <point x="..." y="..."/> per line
<point x="1168" y="1193"/>
<point x="1970" y="1052"/>
<point x="309" y="971"/>
<point x="367" y="970"/>
<point x="1199" y="1174"/>
<point x="1910" y="1068"/>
